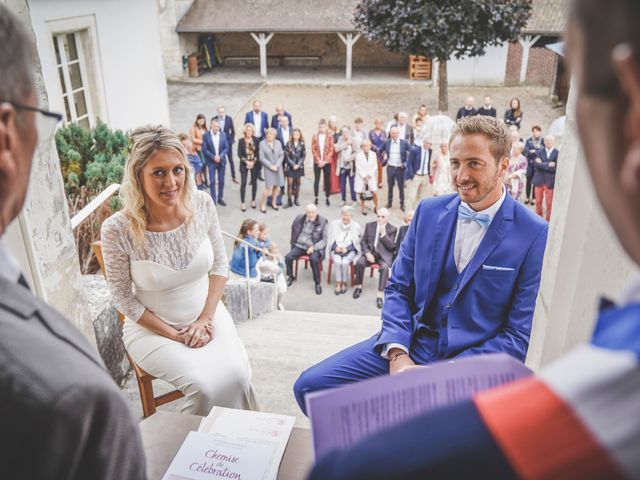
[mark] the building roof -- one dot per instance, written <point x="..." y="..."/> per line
<point x="548" y="17"/>
<point x="309" y="16"/>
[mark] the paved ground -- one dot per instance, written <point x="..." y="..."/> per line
<point x="307" y="103"/>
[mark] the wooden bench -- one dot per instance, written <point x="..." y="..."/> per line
<point x="301" y="61"/>
<point x="251" y="61"/>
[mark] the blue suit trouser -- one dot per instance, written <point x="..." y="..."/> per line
<point x="395" y="175"/>
<point x="216" y="170"/>
<point x="358" y="362"/>
<point x="345" y="176"/>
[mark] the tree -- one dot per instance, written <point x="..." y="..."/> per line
<point x="441" y="29"/>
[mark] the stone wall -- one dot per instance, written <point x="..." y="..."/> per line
<point x="540" y="67"/>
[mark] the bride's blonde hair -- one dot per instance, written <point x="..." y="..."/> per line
<point x="144" y="142"/>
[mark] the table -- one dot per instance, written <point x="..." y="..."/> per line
<point x="164" y="432"/>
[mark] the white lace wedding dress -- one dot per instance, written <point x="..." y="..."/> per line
<point x="169" y="276"/>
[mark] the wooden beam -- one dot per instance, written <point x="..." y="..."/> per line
<point x="262" y="39"/>
<point x="526" y="42"/>
<point x="349" y="41"/>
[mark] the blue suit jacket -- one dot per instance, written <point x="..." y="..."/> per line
<point x="275" y="123"/>
<point x="415" y="157"/>
<point x="404" y="151"/>
<point x="209" y="150"/>
<point x="543" y="174"/>
<point x="248" y="118"/>
<point x="493" y="307"/>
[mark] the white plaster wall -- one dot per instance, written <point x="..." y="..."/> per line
<point x="583" y="259"/>
<point x="173" y="45"/>
<point x="488" y="69"/>
<point x="46" y="224"/>
<point x="130" y="56"/>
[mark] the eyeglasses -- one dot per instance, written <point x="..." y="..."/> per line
<point x="46" y="122"/>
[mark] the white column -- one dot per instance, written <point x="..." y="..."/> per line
<point x="526" y="42"/>
<point x="262" y="39"/>
<point x="349" y="41"/>
<point x="583" y="259"/>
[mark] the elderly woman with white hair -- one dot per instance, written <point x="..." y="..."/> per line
<point x="366" y="184"/>
<point x="343" y="247"/>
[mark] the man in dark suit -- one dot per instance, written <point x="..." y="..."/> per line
<point x="259" y="119"/>
<point x="405" y="131"/>
<point x="402" y="231"/>
<point x="531" y="148"/>
<point x="283" y="132"/>
<point x="419" y="172"/>
<point x="395" y="153"/>
<point x="226" y="126"/>
<point x="467" y="110"/>
<point x="487" y="109"/>
<point x="309" y="234"/>
<point x="377" y="244"/>
<point x="544" y="176"/>
<point x="466" y="278"/>
<point x="61" y="414"/>
<point x="280" y="111"/>
<point x="214" y="149"/>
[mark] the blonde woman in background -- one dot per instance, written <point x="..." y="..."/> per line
<point x="166" y="266"/>
<point x="442" y="176"/>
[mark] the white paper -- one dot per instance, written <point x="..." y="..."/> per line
<point x="252" y="427"/>
<point x="203" y="456"/>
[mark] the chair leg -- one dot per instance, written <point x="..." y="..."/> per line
<point x="296" y="269"/>
<point x="329" y="272"/>
<point x="353" y="275"/>
<point x="147" y="399"/>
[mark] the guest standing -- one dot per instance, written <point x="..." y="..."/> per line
<point x="347" y="148"/>
<point x="513" y="115"/>
<point x="295" y="153"/>
<point x="248" y="148"/>
<point x="544" y="177"/>
<point x="334" y="130"/>
<point x="419" y="172"/>
<point x="366" y="174"/>
<point x="226" y="125"/>
<point x="467" y="109"/>
<point x="378" y="137"/>
<point x="487" y="109"/>
<point x="516" y="176"/>
<point x="359" y="133"/>
<point x="280" y="111"/>
<point x="214" y="146"/>
<point x="396" y="153"/>
<point x="259" y="119"/>
<point x="322" y="151"/>
<point x="194" y="159"/>
<point x="271" y="157"/>
<point x="442" y="184"/>
<point x="343" y="247"/>
<point x="534" y="144"/>
<point x="196" y="134"/>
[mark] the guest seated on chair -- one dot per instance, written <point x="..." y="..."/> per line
<point x="402" y="231"/>
<point x="308" y="237"/>
<point x="167" y="268"/>
<point x="344" y="247"/>
<point x="378" y="243"/>
<point x="249" y="232"/>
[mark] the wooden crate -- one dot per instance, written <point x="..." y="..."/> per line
<point x="419" y="68"/>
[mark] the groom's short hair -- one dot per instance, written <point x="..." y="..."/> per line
<point x="490" y="128"/>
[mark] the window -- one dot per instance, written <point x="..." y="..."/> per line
<point x="73" y="79"/>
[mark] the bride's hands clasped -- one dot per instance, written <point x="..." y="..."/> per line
<point x="196" y="335"/>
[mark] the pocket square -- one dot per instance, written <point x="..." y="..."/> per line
<point x="498" y="269"/>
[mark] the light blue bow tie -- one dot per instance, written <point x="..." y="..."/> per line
<point x="465" y="213"/>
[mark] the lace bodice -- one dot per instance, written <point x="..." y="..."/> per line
<point x="174" y="249"/>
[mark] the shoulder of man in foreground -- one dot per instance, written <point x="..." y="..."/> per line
<point x="57" y="403"/>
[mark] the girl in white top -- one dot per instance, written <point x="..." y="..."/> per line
<point x="367" y="174"/>
<point x="167" y="268"/>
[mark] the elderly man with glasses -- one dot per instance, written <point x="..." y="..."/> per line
<point x="61" y="415"/>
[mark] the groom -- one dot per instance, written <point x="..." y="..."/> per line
<point x="466" y="277"/>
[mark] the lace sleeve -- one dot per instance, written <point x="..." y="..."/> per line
<point x="220" y="260"/>
<point x="117" y="266"/>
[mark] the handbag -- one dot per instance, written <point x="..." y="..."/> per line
<point x="366" y="194"/>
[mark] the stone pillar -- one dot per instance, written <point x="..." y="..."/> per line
<point x="263" y="39"/>
<point x="583" y="259"/>
<point x="51" y="259"/>
<point x="349" y="42"/>
<point x="174" y="46"/>
<point x="526" y="42"/>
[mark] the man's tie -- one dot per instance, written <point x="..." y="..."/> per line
<point x="465" y="213"/>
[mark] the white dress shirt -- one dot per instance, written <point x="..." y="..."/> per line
<point x="322" y="137"/>
<point x="257" y="122"/>
<point x="469" y="234"/>
<point x="9" y="268"/>
<point x="215" y="139"/>
<point x="424" y="162"/>
<point x="549" y="150"/>
<point x="394" y="154"/>
<point x="285" y="134"/>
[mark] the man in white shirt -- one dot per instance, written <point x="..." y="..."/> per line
<point x="61" y="414"/>
<point x="419" y="172"/>
<point x="395" y="153"/>
<point x="459" y="285"/>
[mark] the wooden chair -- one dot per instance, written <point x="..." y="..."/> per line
<point x="149" y="401"/>
<point x="373" y="266"/>
<point x="306" y="259"/>
<point x="352" y="269"/>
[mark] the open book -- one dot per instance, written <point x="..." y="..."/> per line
<point x="343" y="416"/>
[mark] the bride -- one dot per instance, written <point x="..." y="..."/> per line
<point x="167" y="268"/>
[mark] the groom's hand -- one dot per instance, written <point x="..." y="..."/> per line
<point x="398" y="363"/>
